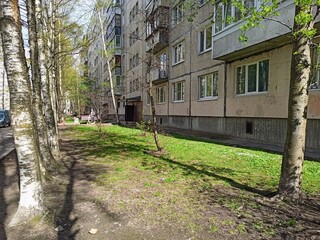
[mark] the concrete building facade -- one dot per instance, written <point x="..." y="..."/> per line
<point x="204" y="78"/>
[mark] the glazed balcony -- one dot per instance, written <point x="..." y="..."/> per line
<point x="228" y="47"/>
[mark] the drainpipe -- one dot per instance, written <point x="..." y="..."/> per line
<point x="225" y="91"/>
<point x="225" y="98"/>
<point x="190" y="66"/>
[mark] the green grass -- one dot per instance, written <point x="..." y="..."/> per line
<point x="69" y="119"/>
<point x="191" y="185"/>
<point x="199" y="162"/>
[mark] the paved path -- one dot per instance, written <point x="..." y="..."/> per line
<point x="6" y="141"/>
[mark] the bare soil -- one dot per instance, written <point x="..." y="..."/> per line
<point x="77" y="204"/>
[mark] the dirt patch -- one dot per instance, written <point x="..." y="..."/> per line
<point x="134" y="209"/>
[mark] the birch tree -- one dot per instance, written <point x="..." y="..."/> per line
<point x="42" y="130"/>
<point x="99" y="8"/>
<point x="31" y="193"/>
<point x="302" y="32"/>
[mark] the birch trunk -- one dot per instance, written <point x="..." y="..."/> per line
<point x="292" y="161"/>
<point x="108" y="66"/>
<point x="45" y="67"/>
<point x="45" y="152"/>
<point x="31" y="194"/>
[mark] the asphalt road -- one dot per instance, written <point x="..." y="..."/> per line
<point x="6" y="141"/>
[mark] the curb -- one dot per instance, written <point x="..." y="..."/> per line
<point x="9" y="150"/>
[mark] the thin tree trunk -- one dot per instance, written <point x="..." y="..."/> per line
<point x="45" y="152"/>
<point x="292" y="161"/>
<point x="31" y="194"/>
<point x="45" y="67"/>
<point x="109" y="67"/>
<point x="154" y="126"/>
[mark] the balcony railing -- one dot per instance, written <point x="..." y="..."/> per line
<point x="159" y="76"/>
<point x="157" y="41"/>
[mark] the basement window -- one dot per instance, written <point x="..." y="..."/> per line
<point x="249" y="127"/>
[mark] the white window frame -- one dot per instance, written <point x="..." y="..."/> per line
<point x="178" y="96"/>
<point x="214" y="86"/>
<point x="205" y="47"/>
<point x="233" y="13"/>
<point x="178" y="53"/>
<point x="246" y="78"/>
<point x="177" y="14"/>
<point x="161" y="95"/>
<point x="315" y="80"/>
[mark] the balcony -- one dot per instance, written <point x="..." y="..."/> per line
<point x="157" y="33"/>
<point x="267" y="36"/>
<point x="157" y="41"/>
<point x="117" y="90"/>
<point x="159" y="76"/>
<point x="152" y="5"/>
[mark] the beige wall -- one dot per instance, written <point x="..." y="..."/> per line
<point x="161" y="108"/>
<point x="179" y="108"/>
<point x="273" y="103"/>
<point x="211" y="107"/>
<point x="267" y="104"/>
<point x="314" y="104"/>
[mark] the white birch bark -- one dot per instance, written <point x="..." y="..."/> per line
<point x="108" y="66"/>
<point x="45" y="152"/>
<point x="45" y="66"/>
<point x="31" y="194"/>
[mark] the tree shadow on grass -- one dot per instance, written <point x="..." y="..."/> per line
<point x="64" y="218"/>
<point x="217" y="174"/>
<point x="288" y="220"/>
<point x="76" y="169"/>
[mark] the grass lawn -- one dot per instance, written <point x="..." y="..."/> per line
<point x="69" y="119"/>
<point x="198" y="187"/>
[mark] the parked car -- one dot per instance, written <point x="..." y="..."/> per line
<point x="5" y="119"/>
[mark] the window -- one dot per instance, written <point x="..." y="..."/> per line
<point x="208" y="86"/>
<point x="163" y="62"/>
<point x="226" y="13"/>
<point x="315" y="79"/>
<point x="253" y="78"/>
<point x="118" y="41"/>
<point x="118" y="20"/>
<point x="130" y="87"/>
<point x="177" y="14"/>
<point x="136" y="60"/>
<point x="118" y="81"/>
<point x="161" y="95"/>
<point x="205" y="42"/>
<point x="178" y="53"/>
<point x="134" y="12"/>
<point x="178" y="91"/>
<point x="134" y="36"/>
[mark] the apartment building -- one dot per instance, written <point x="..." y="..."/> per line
<point x="130" y="106"/>
<point x="217" y="84"/>
<point x="203" y="77"/>
<point x="106" y="29"/>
